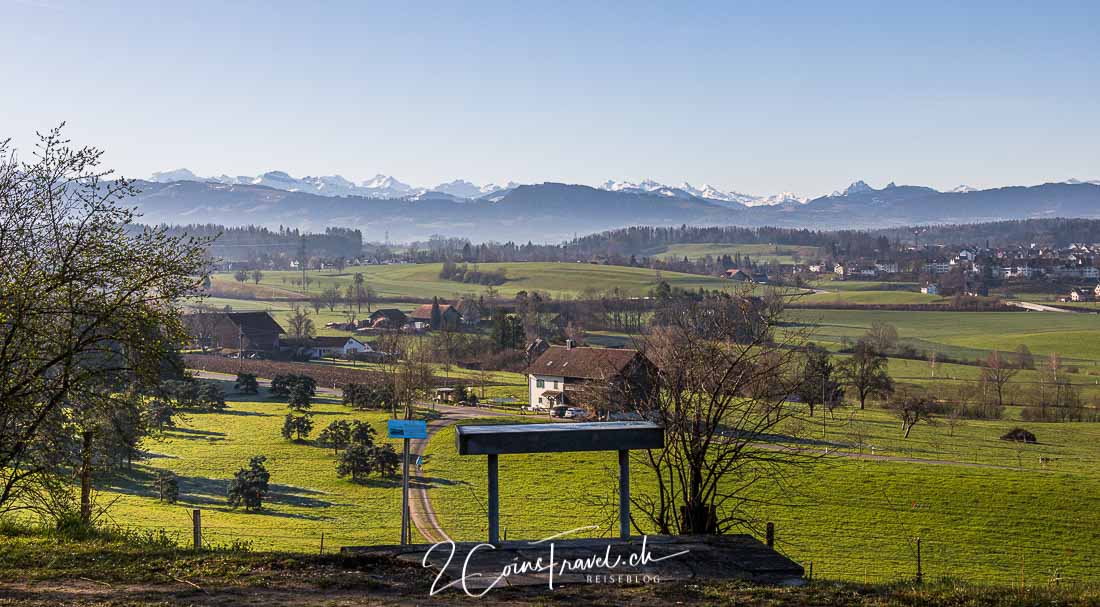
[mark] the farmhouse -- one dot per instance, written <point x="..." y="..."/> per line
<point x="930" y="289"/>
<point x="449" y="316"/>
<point x="320" y="347"/>
<point x="388" y="318"/>
<point x="245" y="331"/>
<point x="599" y="378"/>
<point x="738" y="275"/>
<point x="1081" y="295"/>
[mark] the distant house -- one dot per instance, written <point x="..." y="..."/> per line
<point x="387" y="318"/>
<point x="470" y="311"/>
<point x="449" y="316"/>
<point x="930" y="289"/>
<point x="1082" y="295"/>
<point x="572" y="375"/>
<point x="887" y="267"/>
<point x="244" y="331"/>
<point x="1096" y="291"/>
<point x="323" y="346"/>
<point x="938" y="266"/>
<point x="737" y="275"/>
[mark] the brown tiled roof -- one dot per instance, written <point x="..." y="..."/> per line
<point x="582" y="363"/>
<point x="424" y="312"/>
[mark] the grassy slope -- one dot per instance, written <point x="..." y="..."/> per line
<point x="854" y="519"/>
<point x="967" y="334"/>
<point x="757" y="252"/>
<point x="557" y="279"/>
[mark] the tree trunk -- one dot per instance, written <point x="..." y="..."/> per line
<point x="86" y="478"/>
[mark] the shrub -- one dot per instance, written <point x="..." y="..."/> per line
<point x="1020" y="435"/>
<point x="282" y="384"/>
<point x="247" y="384"/>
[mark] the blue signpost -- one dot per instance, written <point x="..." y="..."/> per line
<point x="406" y="429"/>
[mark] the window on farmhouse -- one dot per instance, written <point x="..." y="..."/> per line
<point x="539" y="383"/>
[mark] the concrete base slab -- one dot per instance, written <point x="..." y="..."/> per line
<point x="597" y="561"/>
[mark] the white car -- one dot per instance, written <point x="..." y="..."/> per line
<point x="575" y="412"/>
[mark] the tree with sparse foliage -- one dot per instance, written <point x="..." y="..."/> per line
<point x="911" y="408"/>
<point x="249" y="486"/>
<point x="88" y="312"/>
<point x="298" y="426"/>
<point x="240" y="275"/>
<point x="167" y="486"/>
<point x="995" y="375"/>
<point x="299" y="323"/>
<point x="257" y="276"/>
<point x="882" y="336"/>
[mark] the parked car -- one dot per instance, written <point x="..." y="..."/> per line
<point x="559" y="411"/>
<point x="575" y="413"/>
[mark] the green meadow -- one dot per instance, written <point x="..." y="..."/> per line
<point x="770" y="253"/>
<point x="307" y="498"/>
<point x="422" y="280"/>
<point x="984" y="509"/>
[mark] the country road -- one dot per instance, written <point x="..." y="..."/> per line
<point x="1034" y="307"/>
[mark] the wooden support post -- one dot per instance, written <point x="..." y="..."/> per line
<point x="322" y="543"/>
<point x="769" y="536"/>
<point x="624" y="494"/>
<point x="196" y="528"/>
<point x="494" y="501"/>
<point x="920" y="572"/>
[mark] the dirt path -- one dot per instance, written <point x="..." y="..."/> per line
<point x="420" y="504"/>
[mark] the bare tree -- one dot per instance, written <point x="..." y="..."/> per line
<point x="911" y="408"/>
<point x="996" y="373"/>
<point x="257" y="276"/>
<point x="721" y="395"/>
<point x="882" y="336"/>
<point x="299" y="323"/>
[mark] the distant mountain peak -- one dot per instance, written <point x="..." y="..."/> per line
<point x="963" y="189"/>
<point x="858" y="187"/>
<point x="174" y="175"/>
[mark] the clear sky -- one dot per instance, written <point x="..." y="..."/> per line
<point x="758" y="97"/>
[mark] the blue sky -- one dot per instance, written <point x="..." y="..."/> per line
<point x="757" y="97"/>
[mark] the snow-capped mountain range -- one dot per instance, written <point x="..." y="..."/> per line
<point x="387" y="187"/>
<point x="384" y="186"/>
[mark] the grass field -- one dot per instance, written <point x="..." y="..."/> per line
<point x="758" y="252"/>
<point x="556" y="279"/>
<point x="966" y="334"/>
<point x="307" y="496"/>
<point x="854" y="519"/>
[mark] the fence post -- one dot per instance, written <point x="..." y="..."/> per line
<point x="769" y="536"/>
<point x="322" y="543"/>
<point x="196" y="524"/>
<point x="920" y="572"/>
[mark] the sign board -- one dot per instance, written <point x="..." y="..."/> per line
<point x="408" y="428"/>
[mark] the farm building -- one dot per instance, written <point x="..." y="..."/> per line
<point x="449" y="316"/>
<point x="571" y="375"/>
<point x="244" y="331"/>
